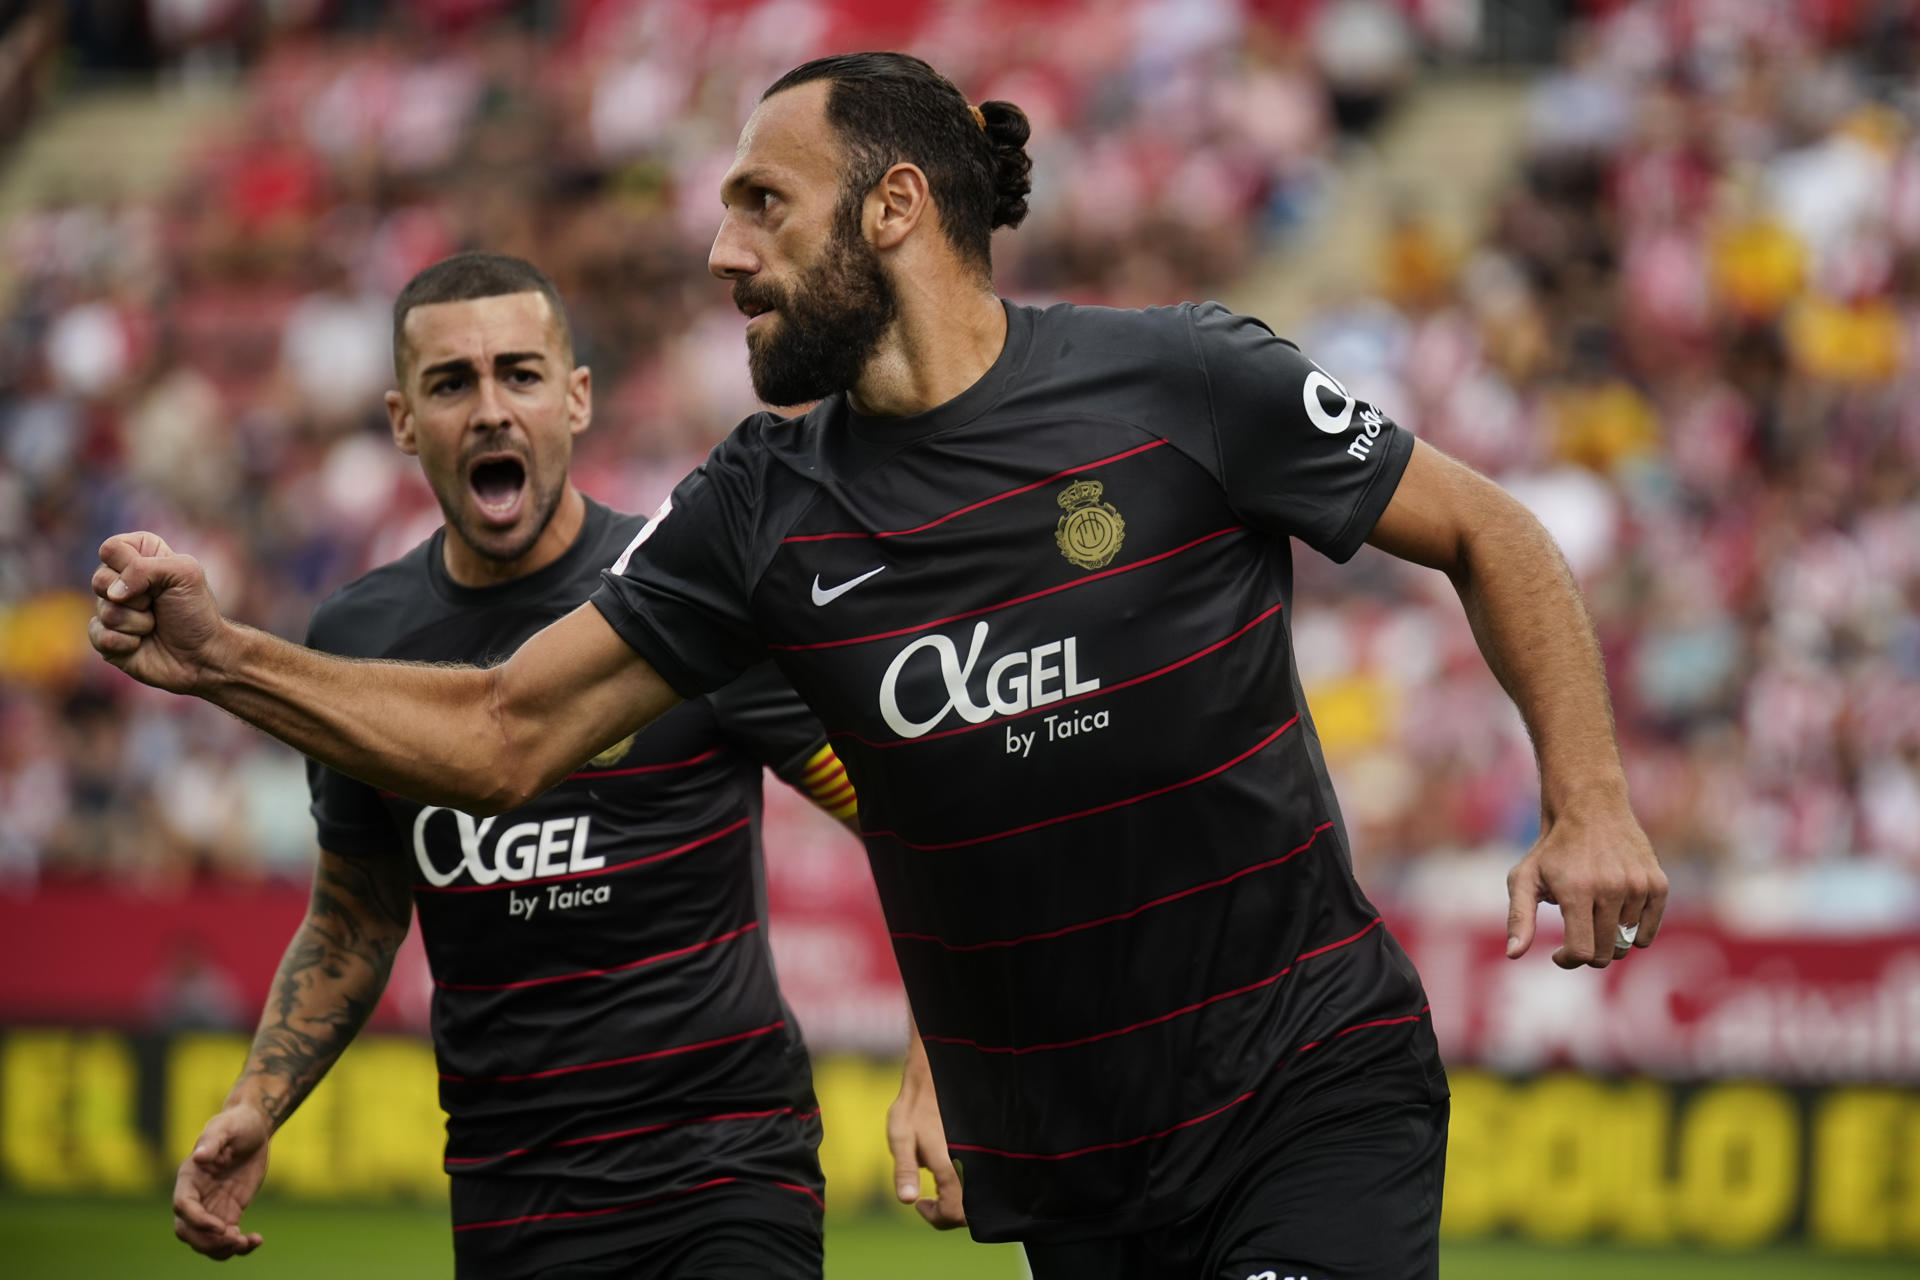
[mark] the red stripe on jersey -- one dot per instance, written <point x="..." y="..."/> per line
<point x="622" y="1208"/>
<point x="702" y="758"/>
<point x="1104" y="1146"/>
<point x="1008" y="604"/>
<point x="1101" y="692"/>
<point x="639" y="1132"/>
<point x="1157" y="1020"/>
<point x="1184" y="1124"/>
<point x="597" y="973"/>
<point x="1362" y="1026"/>
<point x="619" y="1062"/>
<point x="805" y="1191"/>
<point x="1124" y="915"/>
<point x="585" y="875"/>
<point x="1220" y="768"/>
<point x="984" y="502"/>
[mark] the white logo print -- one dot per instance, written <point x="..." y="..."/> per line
<point x="556" y="847"/>
<point x="827" y="595"/>
<point x="1331" y="423"/>
<point x="1015" y="682"/>
<point x="646" y="531"/>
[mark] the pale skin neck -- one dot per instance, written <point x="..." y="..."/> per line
<point x="469" y="568"/>
<point x="950" y="330"/>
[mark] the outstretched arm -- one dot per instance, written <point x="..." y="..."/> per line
<point x="329" y="980"/>
<point x="1592" y="857"/>
<point x="480" y="740"/>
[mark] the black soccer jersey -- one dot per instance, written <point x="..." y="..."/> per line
<point x="614" y="1054"/>
<point x="1046" y="626"/>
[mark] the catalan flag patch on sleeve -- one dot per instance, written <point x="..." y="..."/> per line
<point x="825" y="779"/>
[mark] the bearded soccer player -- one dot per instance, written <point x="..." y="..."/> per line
<point x="626" y="1093"/>
<point x="1032" y="567"/>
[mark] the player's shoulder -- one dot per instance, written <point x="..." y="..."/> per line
<point x="772" y="458"/>
<point x="767" y="433"/>
<point x="1178" y="331"/>
<point x="361" y="618"/>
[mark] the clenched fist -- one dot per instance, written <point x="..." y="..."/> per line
<point x="155" y="619"/>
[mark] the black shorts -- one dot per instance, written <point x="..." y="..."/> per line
<point x="1355" y="1195"/>
<point x="711" y="1251"/>
<point x="757" y="1230"/>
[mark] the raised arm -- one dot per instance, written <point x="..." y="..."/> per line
<point x="328" y="982"/>
<point x="481" y="740"/>
<point x="1592" y="857"/>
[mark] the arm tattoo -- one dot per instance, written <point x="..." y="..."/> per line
<point x="331" y="976"/>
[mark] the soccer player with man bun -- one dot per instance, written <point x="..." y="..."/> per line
<point x="1033" y="569"/>
<point x="626" y="1093"/>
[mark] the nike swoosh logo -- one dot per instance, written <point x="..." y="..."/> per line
<point x="827" y="595"/>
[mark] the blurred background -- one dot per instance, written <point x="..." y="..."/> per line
<point x="1653" y="264"/>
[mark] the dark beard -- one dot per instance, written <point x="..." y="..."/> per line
<point x="830" y="324"/>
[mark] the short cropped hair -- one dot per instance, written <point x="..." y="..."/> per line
<point x="465" y="276"/>
<point x="890" y="108"/>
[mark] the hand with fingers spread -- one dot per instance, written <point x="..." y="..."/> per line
<point x="1602" y="873"/>
<point x="218" y="1180"/>
<point x="155" y="618"/>
<point x="918" y="1140"/>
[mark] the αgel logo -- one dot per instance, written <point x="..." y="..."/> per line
<point x="1015" y="682"/>
<point x="556" y="847"/>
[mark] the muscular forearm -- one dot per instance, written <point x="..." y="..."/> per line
<point x="485" y="741"/>
<point x="327" y="984"/>
<point x="1592" y="858"/>
<point x="431" y="733"/>
<point x="1531" y="624"/>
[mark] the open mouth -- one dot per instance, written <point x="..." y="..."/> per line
<point x="499" y="483"/>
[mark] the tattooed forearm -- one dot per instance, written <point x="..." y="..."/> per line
<point x="329" y="980"/>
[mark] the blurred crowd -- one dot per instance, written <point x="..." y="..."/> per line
<point x="210" y="364"/>
<point x="1688" y="336"/>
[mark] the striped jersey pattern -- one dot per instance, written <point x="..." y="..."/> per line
<point x="615" y="1058"/>
<point x="1046" y="625"/>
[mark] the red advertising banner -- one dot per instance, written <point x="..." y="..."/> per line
<point x="1704" y="1002"/>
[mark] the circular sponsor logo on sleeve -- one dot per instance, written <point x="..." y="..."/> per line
<point x="1329" y="407"/>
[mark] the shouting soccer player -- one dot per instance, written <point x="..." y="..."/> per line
<point x="1032" y="568"/>
<point x="627" y="1094"/>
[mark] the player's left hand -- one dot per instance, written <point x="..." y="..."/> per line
<point x="918" y="1139"/>
<point x="217" y="1182"/>
<point x="1602" y="872"/>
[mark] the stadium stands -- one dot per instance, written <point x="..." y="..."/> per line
<point x="1685" y="328"/>
<point x="1687" y="335"/>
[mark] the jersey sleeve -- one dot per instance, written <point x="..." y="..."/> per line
<point x="1299" y="454"/>
<point x="349" y="816"/>
<point x="679" y="593"/>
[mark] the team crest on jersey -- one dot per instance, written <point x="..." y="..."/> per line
<point x="1091" y="531"/>
<point x="613" y="754"/>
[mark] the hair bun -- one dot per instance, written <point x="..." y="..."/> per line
<point x="1007" y="131"/>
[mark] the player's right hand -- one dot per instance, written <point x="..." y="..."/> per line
<point x="918" y="1139"/>
<point x="218" y="1180"/>
<point x="154" y="618"/>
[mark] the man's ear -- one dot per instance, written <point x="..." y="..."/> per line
<point x="400" y="418"/>
<point x="579" y="400"/>
<point x="896" y="205"/>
